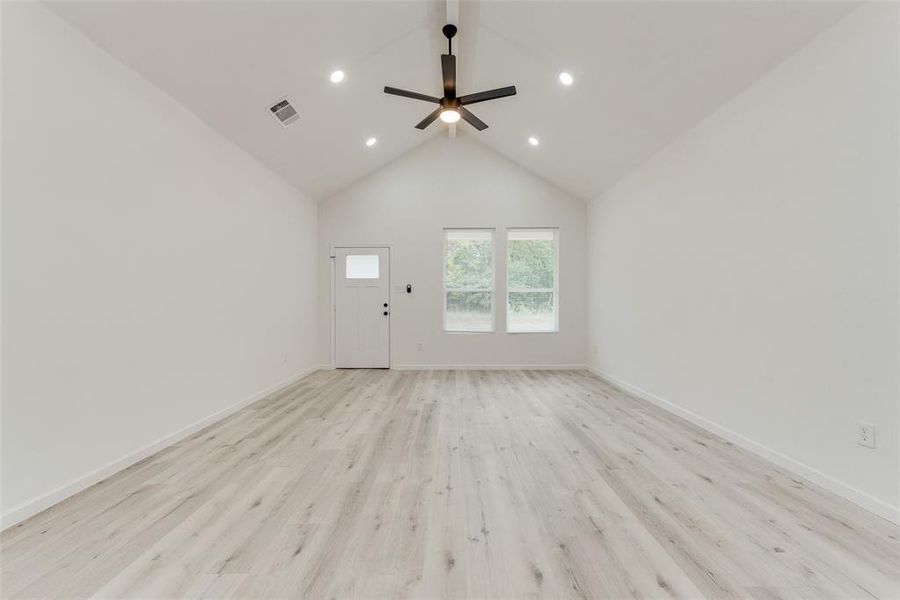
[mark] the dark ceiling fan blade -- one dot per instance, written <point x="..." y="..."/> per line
<point x="472" y="119"/>
<point x="448" y="68"/>
<point x="429" y="119"/>
<point x="408" y="94"/>
<point x="488" y="95"/>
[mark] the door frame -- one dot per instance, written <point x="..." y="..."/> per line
<point x="333" y="299"/>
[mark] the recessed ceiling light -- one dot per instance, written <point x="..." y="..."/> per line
<point x="534" y="141"/>
<point x="566" y="78"/>
<point x="337" y="77"/>
<point x="371" y="142"/>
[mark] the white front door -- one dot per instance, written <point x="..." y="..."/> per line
<point x="362" y="310"/>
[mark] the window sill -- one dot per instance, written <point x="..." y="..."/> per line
<point x="452" y="332"/>
<point x="527" y="332"/>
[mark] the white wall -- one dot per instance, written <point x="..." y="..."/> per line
<point x="153" y="274"/>
<point x="456" y="183"/>
<point x="748" y="274"/>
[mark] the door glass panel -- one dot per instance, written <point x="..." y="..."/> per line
<point x="361" y="266"/>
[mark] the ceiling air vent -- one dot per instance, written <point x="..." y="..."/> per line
<point x="284" y="112"/>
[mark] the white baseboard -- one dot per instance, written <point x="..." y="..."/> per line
<point x="468" y="367"/>
<point x="848" y="492"/>
<point x="32" y="507"/>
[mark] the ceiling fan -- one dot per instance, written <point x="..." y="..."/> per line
<point x="452" y="108"/>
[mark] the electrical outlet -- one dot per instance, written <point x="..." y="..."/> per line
<point x="284" y="357"/>
<point x="865" y="434"/>
<point x="419" y="346"/>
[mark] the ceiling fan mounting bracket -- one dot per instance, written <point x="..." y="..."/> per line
<point x="449" y="31"/>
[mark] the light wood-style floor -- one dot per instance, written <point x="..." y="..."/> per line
<point x="499" y="484"/>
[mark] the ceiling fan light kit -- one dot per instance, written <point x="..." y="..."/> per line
<point x="451" y="107"/>
<point x="448" y="115"/>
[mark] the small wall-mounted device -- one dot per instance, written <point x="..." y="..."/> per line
<point x="409" y="288"/>
<point x="865" y="434"/>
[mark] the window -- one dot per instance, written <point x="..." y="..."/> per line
<point x="468" y="280"/>
<point x="361" y="266"/>
<point x="532" y="291"/>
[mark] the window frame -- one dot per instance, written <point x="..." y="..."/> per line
<point x="493" y="289"/>
<point x="554" y="290"/>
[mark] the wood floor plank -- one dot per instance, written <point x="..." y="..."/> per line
<point x="452" y="484"/>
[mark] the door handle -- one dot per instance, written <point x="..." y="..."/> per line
<point x="385" y="313"/>
<point x="385" y="304"/>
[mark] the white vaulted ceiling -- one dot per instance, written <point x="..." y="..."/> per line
<point x="645" y="72"/>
